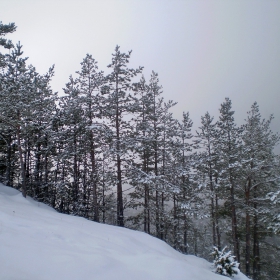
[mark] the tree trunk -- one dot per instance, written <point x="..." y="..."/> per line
<point x="217" y="223"/>
<point x="234" y="226"/>
<point x="248" y="233"/>
<point x="22" y="168"/>
<point x="256" y="249"/>
<point x="175" y="227"/>
<point x="9" y="160"/>
<point x="120" y="214"/>
<point x="94" y="179"/>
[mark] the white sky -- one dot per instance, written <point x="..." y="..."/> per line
<point x="203" y="51"/>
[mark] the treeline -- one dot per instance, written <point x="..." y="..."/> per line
<point x="111" y="151"/>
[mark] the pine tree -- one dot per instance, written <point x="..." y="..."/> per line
<point x="207" y="166"/>
<point x="118" y="104"/>
<point x="182" y="192"/>
<point x="73" y="181"/>
<point x="7" y="44"/>
<point x="260" y="173"/>
<point x="26" y="100"/>
<point x="224" y="262"/>
<point x="90" y="80"/>
<point x="229" y="152"/>
<point x="139" y="176"/>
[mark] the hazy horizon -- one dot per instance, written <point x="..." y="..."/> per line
<point x="203" y="51"/>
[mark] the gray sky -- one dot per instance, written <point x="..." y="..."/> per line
<point x="203" y="51"/>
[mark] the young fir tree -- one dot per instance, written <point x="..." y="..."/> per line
<point x="224" y="262"/>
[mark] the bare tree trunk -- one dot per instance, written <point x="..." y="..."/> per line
<point x="234" y="225"/>
<point x="103" y="192"/>
<point x="120" y="214"/>
<point x="94" y="179"/>
<point x="248" y="230"/>
<point x="75" y="175"/>
<point x="9" y="160"/>
<point x="233" y="209"/>
<point x="157" y="198"/>
<point x="46" y="186"/>
<point x="22" y="168"/>
<point x="256" y="248"/>
<point x="175" y="227"/>
<point x="156" y="173"/>
<point x="185" y="234"/>
<point x="217" y="223"/>
<point x="146" y="197"/>
<point x="213" y="209"/>
<point x="37" y="169"/>
<point x="162" y="217"/>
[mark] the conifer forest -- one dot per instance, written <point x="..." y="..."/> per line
<point x="109" y="149"/>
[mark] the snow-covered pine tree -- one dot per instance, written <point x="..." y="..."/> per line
<point x="166" y="144"/>
<point x="7" y="139"/>
<point x="182" y="189"/>
<point x="25" y="101"/>
<point x="90" y="80"/>
<point x="154" y="119"/>
<point x="40" y="142"/>
<point x="13" y="86"/>
<point x="260" y="173"/>
<point x="153" y="137"/>
<point x="139" y="175"/>
<point x="119" y="105"/>
<point x="207" y="166"/>
<point x="229" y="161"/>
<point x="7" y="44"/>
<point x="224" y="262"/>
<point x="72" y="182"/>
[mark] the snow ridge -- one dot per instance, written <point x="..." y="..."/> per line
<point x="37" y="243"/>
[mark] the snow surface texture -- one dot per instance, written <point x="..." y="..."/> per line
<point x="37" y="243"/>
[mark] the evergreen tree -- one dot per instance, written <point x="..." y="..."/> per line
<point x="260" y="173"/>
<point x="207" y="166"/>
<point x="182" y="190"/>
<point x="7" y="44"/>
<point x="119" y="104"/>
<point x="26" y="100"/>
<point x="73" y="175"/>
<point x="90" y="80"/>
<point x="229" y="157"/>
<point x="224" y="262"/>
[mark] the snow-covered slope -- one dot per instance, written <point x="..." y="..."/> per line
<point x="38" y="243"/>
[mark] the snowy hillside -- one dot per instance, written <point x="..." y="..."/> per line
<point x="37" y="243"/>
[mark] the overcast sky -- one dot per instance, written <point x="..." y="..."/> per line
<point x="203" y="51"/>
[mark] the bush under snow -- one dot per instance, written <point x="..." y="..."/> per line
<point x="224" y="262"/>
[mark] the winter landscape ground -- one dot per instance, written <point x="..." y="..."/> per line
<point x="37" y="243"/>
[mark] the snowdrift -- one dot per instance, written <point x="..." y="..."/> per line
<point x="37" y="243"/>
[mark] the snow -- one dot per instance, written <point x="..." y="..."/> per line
<point x="37" y="243"/>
